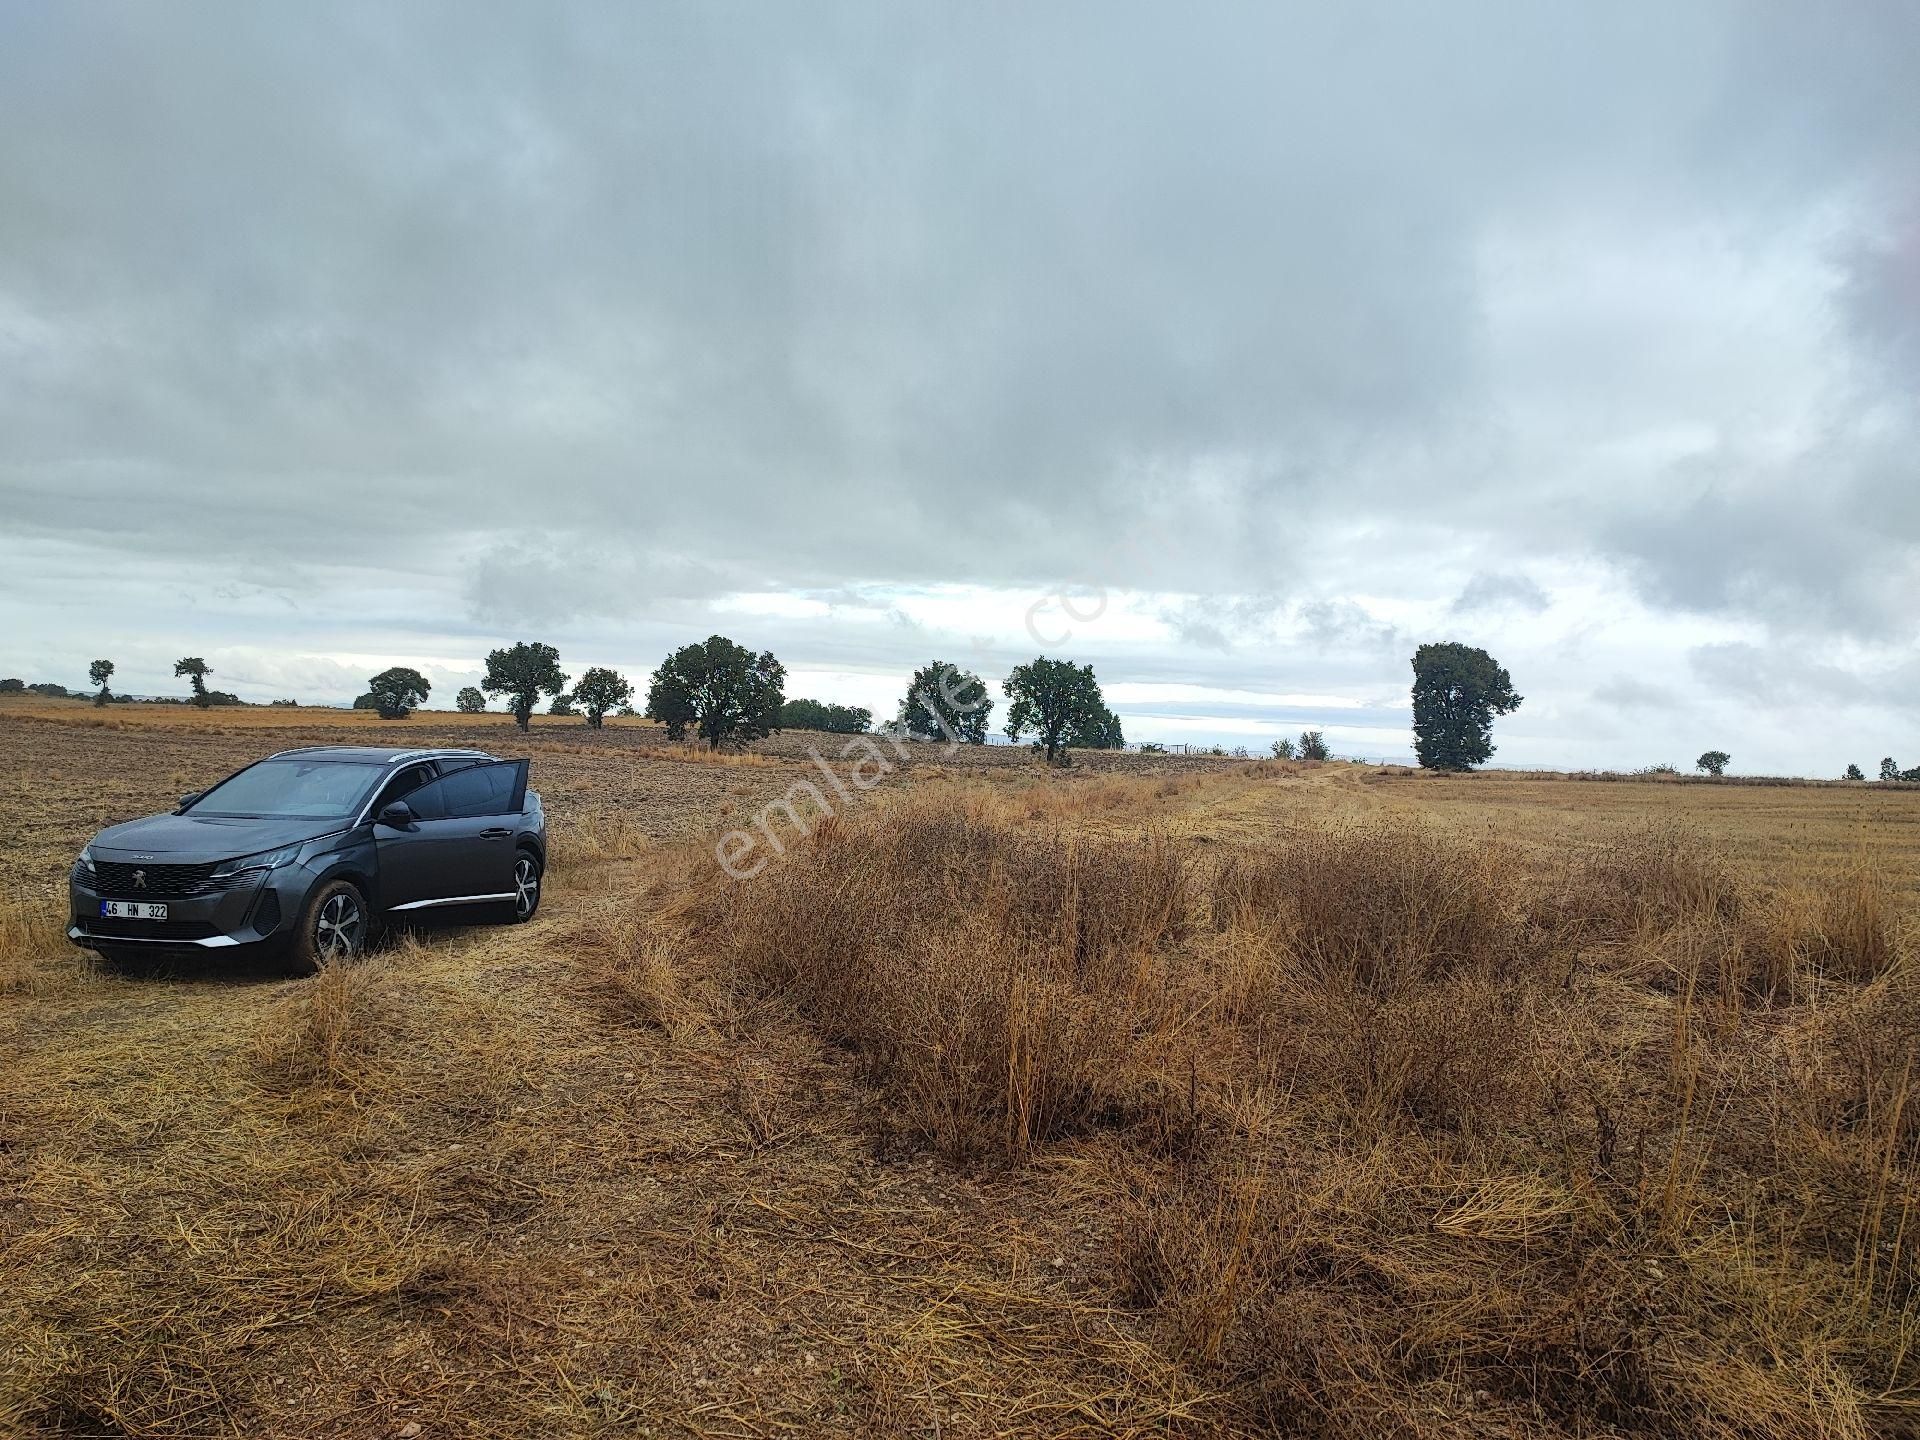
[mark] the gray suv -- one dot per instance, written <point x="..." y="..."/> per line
<point x="309" y="850"/>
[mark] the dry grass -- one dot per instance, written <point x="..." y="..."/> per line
<point x="1385" y="1138"/>
<point x="1267" y="1100"/>
<point x="31" y="941"/>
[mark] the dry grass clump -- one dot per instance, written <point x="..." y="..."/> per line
<point x="1388" y="1138"/>
<point x="1670" y="902"/>
<point x="600" y="839"/>
<point x="1005" y="987"/>
<point x="630" y="960"/>
<point x="1382" y="907"/>
<point x="327" y="1031"/>
<point x="1648" y="881"/>
<point x="1855" y="930"/>
<point x="31" y="940"/>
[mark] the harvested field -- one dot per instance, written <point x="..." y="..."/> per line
<point x="1256" y="1099"/>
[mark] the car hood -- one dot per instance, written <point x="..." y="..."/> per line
<point x="189" y="838"/>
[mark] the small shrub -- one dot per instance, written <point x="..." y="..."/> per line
<point x="1003" y="987"/>
<point x="324" y="1034"/>
<point x="1379" y="905"/>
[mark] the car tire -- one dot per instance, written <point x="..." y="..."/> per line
<point x="527" y="873"/>
<point x="334" y="924"/>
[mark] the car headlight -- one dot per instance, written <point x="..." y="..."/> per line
<point x="265" y="860"/>
<point x="85" y="863"/>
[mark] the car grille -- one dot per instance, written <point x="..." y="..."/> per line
<point x="161" y="882"/>
<point x="100" y="927"/>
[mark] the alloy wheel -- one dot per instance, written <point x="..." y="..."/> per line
<point x="337" y="931"/>
<point x="526" y="886"/>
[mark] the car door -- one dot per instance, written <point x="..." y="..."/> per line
<point x="458" y="847"/>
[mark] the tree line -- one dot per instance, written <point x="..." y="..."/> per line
<point x="724" y="693"/>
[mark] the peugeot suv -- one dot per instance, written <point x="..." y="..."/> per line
<point x="310" y="851"/>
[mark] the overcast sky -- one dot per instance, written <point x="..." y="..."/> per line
<point x="1275" y="340"/>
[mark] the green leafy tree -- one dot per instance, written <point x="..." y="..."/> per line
<point x="1854" y="772"/>
<point x="818" y="715"/>
<point x="670" y="701"/>
<point x="562" y="705"/>
<point x="470" y="700"/>
<point x="601" y="690"/>
<point x="100" y="672"/>
<point x="523" y="674"/>
<point x="1889" y="770"/>
<point x="1060" y="702"/>
<point x="1457" y="690"/>
<point x="13" y="685"/>
<point x="1283" y="749"/>
<point x="945" y="702"/>
<point x="1102" y="731"/>
<point x="196" y="670"/>
<point x="1713" y="762"/>
<point x="722" y="689"/>
<point x="1312" y="745"/>
<point x="398" y="692"/>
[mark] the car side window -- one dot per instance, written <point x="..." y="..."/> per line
<point x="477" y="790"/>
<point x="429" y="802"/>
<point x="482" y="790"/>
<point x="403" y="786"/>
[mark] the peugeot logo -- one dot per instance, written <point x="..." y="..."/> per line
<point x="140" y="879"/>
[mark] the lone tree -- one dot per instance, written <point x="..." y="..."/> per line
<point x="1889" y="770"/>
<point x="1283" y="749"/>
<point x="196" y="670"/>
<point x="395" y="693"/>
<point x="1854" y="772"/>
<point x="1061" y="703"/>
<point x="562" y="705"/>
<point x="470" y="700"/>
<point x="601" y="690"/>
<point x="523" y="674"/>
<point x="99" y="672"/>
<point x="723" y="690"/>
<point x="944" y="701"/>
<point x="1312" y="745"/>
<point x="1714" y="762"/>
<point x="1457" y="690"/>
<point x="820" y="715"/>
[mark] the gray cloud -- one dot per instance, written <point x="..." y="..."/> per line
<point x="1493" y="592"/>
<point x="1623" y="692"/>
<point x="400" y="329"/>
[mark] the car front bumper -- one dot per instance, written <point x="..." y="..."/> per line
<point x="255" y="909"/>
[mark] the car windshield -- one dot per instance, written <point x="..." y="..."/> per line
<point x="293" y="789"/>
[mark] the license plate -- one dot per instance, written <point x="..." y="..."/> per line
<point x="131" y="910"/>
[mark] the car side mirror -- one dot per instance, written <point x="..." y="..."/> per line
<point x="188" y="799"/>
<point x="396" y="816"/>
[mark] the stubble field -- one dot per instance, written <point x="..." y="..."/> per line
<point x="1162" y="1098"/>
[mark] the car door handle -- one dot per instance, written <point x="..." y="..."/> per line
<point x="495" y="834"/>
